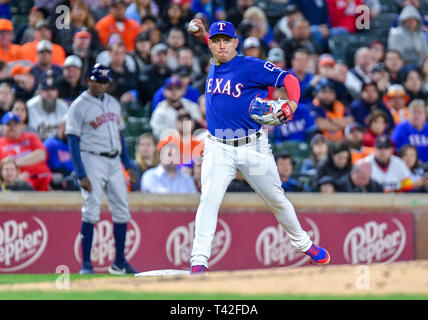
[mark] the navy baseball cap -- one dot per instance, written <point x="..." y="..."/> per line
<point x="173" y="82"/>
<point x="10" y="116"/>
<point x="223" y="27"/>
<point x="324" y="83"/>
<point x="99" y="73"/>
<point x="383" y="142"/>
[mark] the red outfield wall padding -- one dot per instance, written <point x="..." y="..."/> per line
<point x="39" y="242"/>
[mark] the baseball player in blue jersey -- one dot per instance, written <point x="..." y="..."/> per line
<point x="235" y="85"/>
<point x="97" y="147"/>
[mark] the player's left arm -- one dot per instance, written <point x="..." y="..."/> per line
<point x="127" y="163"/>
<point x="292" y="86"/>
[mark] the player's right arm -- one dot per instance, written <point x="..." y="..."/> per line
<point x="74" y="148"/>
<point x="201" y="33"/>
<point x="73" y="131"/>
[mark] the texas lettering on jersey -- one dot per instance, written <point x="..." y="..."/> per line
<point x="103" y="118"/>
<point x="224" y="87"/>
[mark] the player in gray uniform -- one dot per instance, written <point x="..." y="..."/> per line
<point x="93" y="129"/>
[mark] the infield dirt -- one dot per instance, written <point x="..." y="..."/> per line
<point x="376" y="279"/>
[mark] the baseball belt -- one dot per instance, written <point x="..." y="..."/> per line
<point x="104" y="154"/>
<point x="238" y="141"/>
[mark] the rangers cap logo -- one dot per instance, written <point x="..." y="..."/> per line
<point x="223" y="27"/>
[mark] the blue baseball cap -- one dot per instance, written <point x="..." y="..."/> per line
<point x="223" y="27"/>
<point x="9" y="116"/>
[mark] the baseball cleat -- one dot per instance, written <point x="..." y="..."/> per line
<point x="86" y="269"/>
<point x="318" y="254"/>
<point x="198" y="269"/>
<point x="124" y="268"/>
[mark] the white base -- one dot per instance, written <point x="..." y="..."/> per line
<point x="164" y="272"/>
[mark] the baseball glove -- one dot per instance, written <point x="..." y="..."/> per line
<point x="263" y="111"/>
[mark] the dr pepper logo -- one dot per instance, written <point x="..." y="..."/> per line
<point x="103" y="251"/>
<point x="375" y="242"/>
<point x="180" y="241"/>
<point x="273" y="246"/>
<point x="21" y="243"/>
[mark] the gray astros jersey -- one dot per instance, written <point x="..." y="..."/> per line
<point x="97" y="122"/>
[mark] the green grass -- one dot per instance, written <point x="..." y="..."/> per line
<point x="31" y="278"/>
<point x="123" y="295"/>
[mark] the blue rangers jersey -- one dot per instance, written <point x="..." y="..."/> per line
<point x="229" y="90"/>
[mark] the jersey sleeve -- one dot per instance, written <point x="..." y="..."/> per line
<point x="74" y="122"/>
<point x="266" y="73"/>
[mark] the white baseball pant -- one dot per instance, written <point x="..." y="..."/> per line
<point x="257" y="164"/>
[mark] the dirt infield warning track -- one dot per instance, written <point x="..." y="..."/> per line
<point x="376" y="279"/>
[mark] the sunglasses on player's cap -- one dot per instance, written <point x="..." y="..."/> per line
<point x="222" y="27"/>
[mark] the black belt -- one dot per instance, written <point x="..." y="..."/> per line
<point x="105" y="154"/>
<point x="238" y="141"/>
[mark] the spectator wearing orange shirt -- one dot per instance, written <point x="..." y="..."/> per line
<point x="354" y="133"/>
<point x="27" y="150"/>
<point x="331" y="116"/>
<point x="42" y="32"/>
<point x="116" y="22"/>
<point x="190" y="146"/>
<point x="8" y="50"/>
<point x="396" y="100"/>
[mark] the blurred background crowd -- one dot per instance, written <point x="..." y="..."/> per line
<point x="361" y="124"/>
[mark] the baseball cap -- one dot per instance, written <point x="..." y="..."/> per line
<point x="222" y="27"/>
<point x="379" y="67"/>
<point x="251" y="42"/>
<point x="73" y="61"/>
<point x="18" y="69"/>
<point x="383" y="142"/>
<point x="396" y="90"/>
<point x="42" y="24"/>
<point x="10" y="116"/>
<point x="183" y="71"/>
<point x="318" y="138"/>
<point x="291" y="9"/>
<point x="44" y="45"/>
<point x="326" y="59"/>
<point x="48" y="83"/>
<point x="326" y="179"/>
<point x="158" y="48"/>
<point x="170" y="140"/>
<point x="6" y="25"/>
<point x="324" y="83"/>
<point x="173" y="82"/>
<point x="352" y="126"/>
<point x="276" y="55"/>
<point x="82" y="33"/>
<point x="143" y="36"/>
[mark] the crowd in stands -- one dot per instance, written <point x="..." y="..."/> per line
<point x="361" y="124"/>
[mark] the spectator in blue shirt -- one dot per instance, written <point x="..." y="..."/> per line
<point x="370" y="100"/>
<point x="299" y="65"/>
<point x="414" y="131"/>
<point x="192" y="94"/>
<point x="59" y="160"/>
<point x="166" y="178"/>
